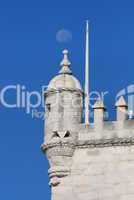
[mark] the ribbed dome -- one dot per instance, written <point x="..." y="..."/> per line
<point x="66" y="81"/>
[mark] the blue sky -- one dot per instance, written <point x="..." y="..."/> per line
<point x="30" y="56"/>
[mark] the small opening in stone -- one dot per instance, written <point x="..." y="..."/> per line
<point x="48" y="107"/>
<point x="56" y="134"/>
<point x="67" y="134"/>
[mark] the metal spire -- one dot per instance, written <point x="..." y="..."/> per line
<point x="87" y="76"/>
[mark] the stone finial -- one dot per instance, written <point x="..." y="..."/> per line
<point x="99" y="105"/>
<point x="121" y="102"/>
<point x="65" y="63"/>
<point x="121" y="109"/>
<point x="99" y="111"/>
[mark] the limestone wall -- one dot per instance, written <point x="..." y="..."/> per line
<point x="101" y="173"/>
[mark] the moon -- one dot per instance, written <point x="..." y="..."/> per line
<point x="63" y="36"/>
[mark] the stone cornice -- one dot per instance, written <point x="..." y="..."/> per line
<point x="105" y="143"/>
<point x="92" y="143"/>
<point x="44" y="147"/>
<point x="52" y="91"/>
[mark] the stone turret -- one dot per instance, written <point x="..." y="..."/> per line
<point x="86" y="162"/>
<point x="63" y="110"/>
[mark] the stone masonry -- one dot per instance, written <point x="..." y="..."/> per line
<point x="86" y="163"/>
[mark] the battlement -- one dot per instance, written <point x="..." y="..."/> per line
<point x="102" y="131"/>
<point x="110" y="131"/>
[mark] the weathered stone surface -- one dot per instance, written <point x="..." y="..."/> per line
<point x="86" y="163"/>
<point x="100" y="173"/>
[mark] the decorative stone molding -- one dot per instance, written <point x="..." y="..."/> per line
<point x="55" y="174"/>
<point x="60" y="156"/>
<point x="59" y="171"/>
<point x="53" y="91"/>
<point x="96" y="143"/>
<point x="58" y="149"/>
<point x="54" y="181"/>
<point x="105" y="143"/>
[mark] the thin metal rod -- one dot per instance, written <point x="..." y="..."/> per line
<point x="87" y="76"/>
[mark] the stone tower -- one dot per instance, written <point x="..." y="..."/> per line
<point x="63" y="114"/>
<point x="94" y="162"/>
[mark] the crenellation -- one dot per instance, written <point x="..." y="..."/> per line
<point x="99" y="112"/>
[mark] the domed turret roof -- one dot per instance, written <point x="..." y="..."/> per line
<point x="65" y="79"/>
